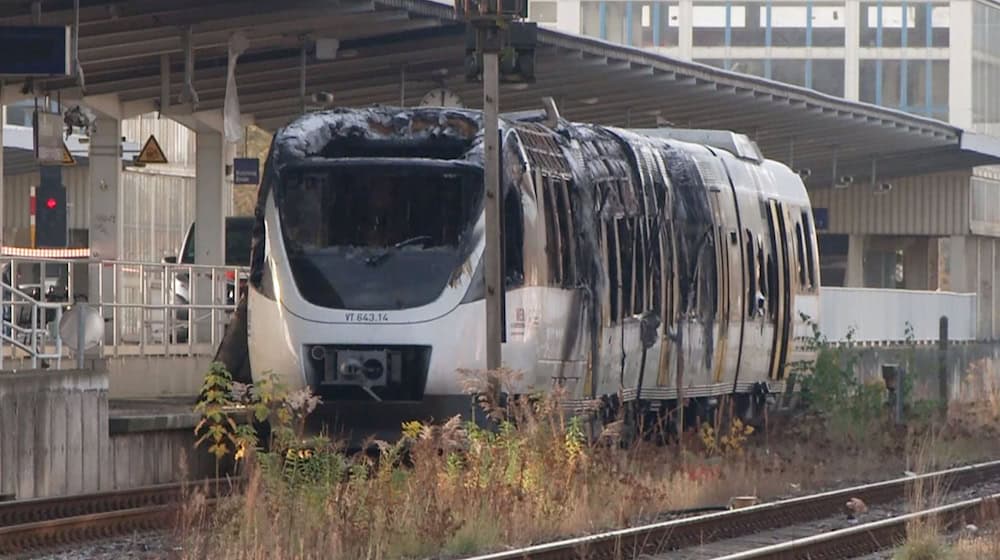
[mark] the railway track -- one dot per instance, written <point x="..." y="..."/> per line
<point x="876" y="536"/>
<point x="44" y="523"/>
<point x="669" y="538"/>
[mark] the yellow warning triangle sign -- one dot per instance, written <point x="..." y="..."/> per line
<point x="67" y="158"/>
<point x="151" y="152"/>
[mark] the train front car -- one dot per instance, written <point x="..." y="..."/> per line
<point x="370" y="234"/>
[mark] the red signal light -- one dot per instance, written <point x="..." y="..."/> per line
<point x="51" y="203"/>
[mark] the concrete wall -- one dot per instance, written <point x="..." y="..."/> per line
<point x="148" y="377"/>
<point x="973" y="369"/>
<point x="157" y="457"/>
<point x="880" y="315"/>
<point x="53" y="433"/>
<point x="56" y="439"/>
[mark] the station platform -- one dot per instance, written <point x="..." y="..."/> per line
<point x="151" y="415"/>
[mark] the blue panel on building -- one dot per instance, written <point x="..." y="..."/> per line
<point x="246" y="171"/>
<point x="34" y="51"/>
<point x="821" y="216"/>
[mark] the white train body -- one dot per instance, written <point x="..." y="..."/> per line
<point x="366" y="270"/>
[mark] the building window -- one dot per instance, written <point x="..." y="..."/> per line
<point x="543" y="12"/>
<point x="789" y="71"/>
<point x="913" y="24"/>
<point x="642" y="24"/>
<point x="752" y="24"/>
<point x="806" y="25"/>
<point x="713" y="24"/>
<point x="753" y="67"/>
<point x="824" y="75"/>
<point x="986" y="69"/>
<point x="915" y="86"/>
<point x="827" y="76"/>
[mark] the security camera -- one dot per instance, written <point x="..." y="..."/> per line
<point x="322" y="97"/>
<point x="883" y="188"/>
<point x="844" y="181"/>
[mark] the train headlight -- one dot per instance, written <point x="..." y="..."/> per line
<point x="351" y="369"/>
<point x="373" y="369"/>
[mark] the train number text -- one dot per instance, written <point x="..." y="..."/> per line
<point x="366" y="317"/>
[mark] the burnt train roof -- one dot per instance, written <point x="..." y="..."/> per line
<point x="456" y="134"/>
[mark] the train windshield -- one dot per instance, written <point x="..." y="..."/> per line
<point x="378" y="237"/>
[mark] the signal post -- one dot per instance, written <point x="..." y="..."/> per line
<point x="495" y="27"/>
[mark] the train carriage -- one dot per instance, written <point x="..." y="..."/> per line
<point x="636" y="262"/>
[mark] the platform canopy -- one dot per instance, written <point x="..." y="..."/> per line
<point x="396" y="51"/>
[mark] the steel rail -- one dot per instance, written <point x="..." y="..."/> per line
<point x="42" y="509"/>
<point x="65" y="531"/>
<point x="874" y="536"/>
<point x="46" y="522"/>
<point x="658" y="538"/>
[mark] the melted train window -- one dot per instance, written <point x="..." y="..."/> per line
<point x="513" y="239"/>
<point x="810" y="249"/>
<point x="751" y="275"/>
<point x="611" y="255"/>
<point x="559" y="231"/>
<point x="800" y="250"/>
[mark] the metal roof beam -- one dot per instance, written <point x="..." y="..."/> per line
<point x="108" y="16"/>
<point x="214" y="76"/>
<point x="271" y="93"/>
<point x="213" y="81"/>
<point x="510" y="98"/>
<point x="282" y="34"/>
<point x="364" y="76"/>
<point x="213" y="19"/>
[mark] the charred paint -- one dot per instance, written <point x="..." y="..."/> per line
<point x="644" y="199"/>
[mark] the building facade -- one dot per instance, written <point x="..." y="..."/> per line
<point x="157" y="201"/>
<point x="937" y="59"/>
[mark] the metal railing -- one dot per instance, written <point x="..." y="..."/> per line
<point x="27" y="327"/>
<point x="149" y="309"/>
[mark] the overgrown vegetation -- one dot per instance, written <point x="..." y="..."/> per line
<point x="858" y="414"/>
<point x="456" y="488"/>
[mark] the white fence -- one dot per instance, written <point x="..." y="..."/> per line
<point x="148" y="309"/>
<point x="879" y="316"/>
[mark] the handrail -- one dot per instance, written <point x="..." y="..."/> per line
<point x="154" y="308"/>
<point x="36" y="334"/>
<point x="51" y="260"/>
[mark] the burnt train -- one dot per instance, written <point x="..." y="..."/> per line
<point x="635" y="262"/>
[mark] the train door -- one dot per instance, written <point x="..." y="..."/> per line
<point x="780" y="290"/>
<point x="561" y="308"/>
<point x="669" y="295"/>
<point x="731" y="286"/>
<point x="722" y="284"/>
<point x="728" y="270"/>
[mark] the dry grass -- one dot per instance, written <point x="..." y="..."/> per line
<point x="977" y="547"/>
<point x="454" y="489"/>
<point x="927" y="539"/>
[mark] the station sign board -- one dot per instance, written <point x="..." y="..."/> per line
<point x="246" y="171"/>
<point x="35" y="50"/>
<point x="821" y="217"/>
